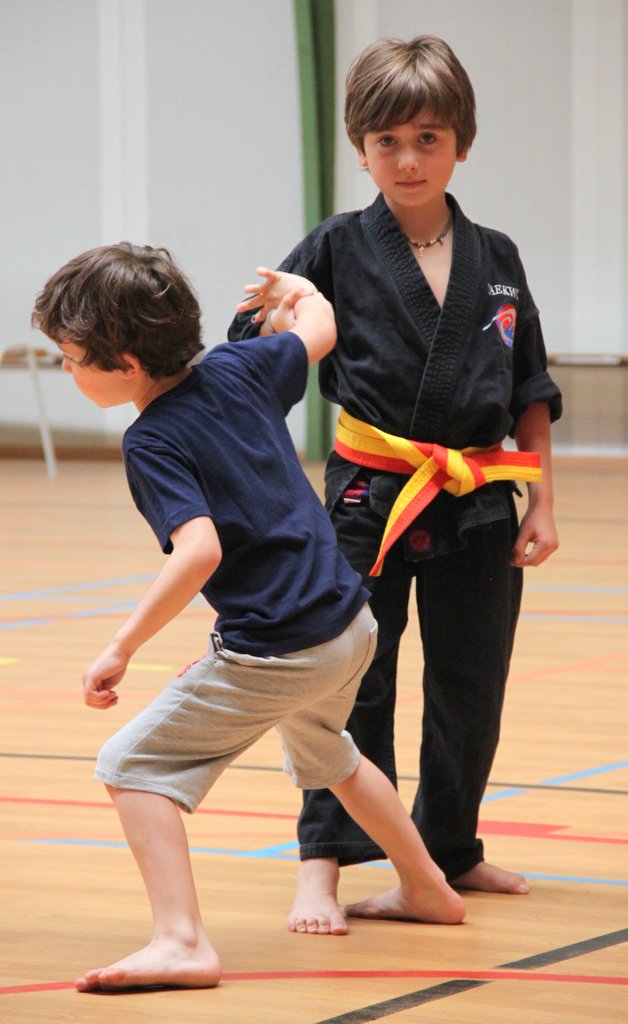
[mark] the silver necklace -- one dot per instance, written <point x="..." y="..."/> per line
<point x="422" y="246"/>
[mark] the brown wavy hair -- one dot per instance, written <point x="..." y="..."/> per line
<point x="119" y="299"/>
<point x="392" y="81"/>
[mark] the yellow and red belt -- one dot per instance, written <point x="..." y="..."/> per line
<point x="431" y="467"/>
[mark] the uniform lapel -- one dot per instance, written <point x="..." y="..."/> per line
<point x="442" y="335"/>
<point x="453" y="331"/>
<point x="416" y="295"/>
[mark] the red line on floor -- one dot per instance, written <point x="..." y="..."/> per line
<point x="579" y="979"/>
<point x="531" y="830"/>
<point x="574" y="613"/>
<point x="603" y="663"/>
<point x="589" y="561"/>
<point x="525" y="829"/>
<point x="109" y="807"/>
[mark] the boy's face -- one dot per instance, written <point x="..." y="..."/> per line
<point x="105" y="388"/>
<point x="412" y="163"/>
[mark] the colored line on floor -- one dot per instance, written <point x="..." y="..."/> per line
<point x="288" y="851"/>
<point x="276" y="769"/>
<point x="524" y="829"/>
<point x="577" y="879"/>
<point x="108" y="806"/>
<point x="574" y="617"/>
<point x="21" y="623"/>
<point x="619" y="883"/>
<point x="465" y="983"/>
<point x="90" y="759"/>
<point x="595" y="790"/>
<point x="125" y="605"/>
<point x="586" y="773"/>
<point x="574" y="588"/>
<point x="558" y="780"/>
<point x="75" y="588"/>
<point x="482" y="976"/>
<point x="118" y="609"/>
<point x="45" y="593"/>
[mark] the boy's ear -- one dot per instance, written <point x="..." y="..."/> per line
<point x="463" y="156"/>
<point x="133" y="367"/>
<point x="363" y="162"/>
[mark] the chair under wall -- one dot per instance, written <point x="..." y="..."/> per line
<point x="29" y="357"/>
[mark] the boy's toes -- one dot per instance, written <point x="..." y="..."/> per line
<point x="317" y="926"/>
<point x="339" y="927"/>
<point x="89" y="982"/>
<point x="301" y="924"/>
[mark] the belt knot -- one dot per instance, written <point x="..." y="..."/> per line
<point x="431" y="468"/>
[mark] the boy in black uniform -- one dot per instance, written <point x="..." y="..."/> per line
<point x="440" y="356"/>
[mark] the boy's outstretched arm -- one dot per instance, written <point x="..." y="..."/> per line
<point x="311" y="317"/>
<point x="196" y="555"/>
<point x="537" y="538"/>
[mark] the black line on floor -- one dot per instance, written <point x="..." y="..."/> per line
<point x="554" y="956"/>
<point x="82" y="757"/>
<point x="562" y="789"/>
<point x="427" y="995"/>
<point x="48" y="757"/>
<point x="456" y="986"/>
<point x="402" y="778"/>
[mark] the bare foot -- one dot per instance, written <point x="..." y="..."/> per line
<point x="315" y="910"/>
<point x="164" y="962"/>
<point x="432" y="904"/>
<point x="485" y="877"/>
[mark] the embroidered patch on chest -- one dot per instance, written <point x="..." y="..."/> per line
<point x="505" y="320"/>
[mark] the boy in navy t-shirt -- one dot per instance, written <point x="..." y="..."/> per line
<point x="212" y="468"/>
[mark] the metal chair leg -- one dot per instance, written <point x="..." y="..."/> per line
<point x="44" y="430"/>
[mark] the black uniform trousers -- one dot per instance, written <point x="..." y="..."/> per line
<point x="468" y="603"/>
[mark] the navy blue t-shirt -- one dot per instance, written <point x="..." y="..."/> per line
<point x="217" y="445"/>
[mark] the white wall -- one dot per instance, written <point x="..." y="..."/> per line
<point x="171" y="122"/>
<point x="176" y="122"/>
<point x="548" y="164"/>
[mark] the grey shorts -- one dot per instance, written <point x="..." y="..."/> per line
<point x="205" y="718"/>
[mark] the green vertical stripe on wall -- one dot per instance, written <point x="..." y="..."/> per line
<point x="314" y="21"/>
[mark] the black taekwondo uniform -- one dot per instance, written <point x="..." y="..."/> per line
<point x="458" y="376"/>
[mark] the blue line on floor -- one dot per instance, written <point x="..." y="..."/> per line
<point x="558" y="780"/>
<point x="38" y="595"/>
<point x="281" y="853"/>
<point x="617" y="619"/>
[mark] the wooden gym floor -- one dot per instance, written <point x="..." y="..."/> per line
<point x="76" y="556"/>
